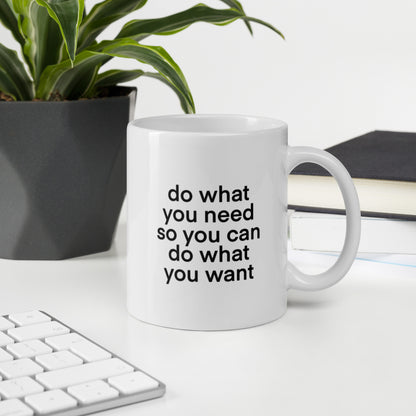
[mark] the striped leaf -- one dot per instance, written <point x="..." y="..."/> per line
<point x="43" y="25"/>
<point x="7" y="86"/>
<point x="71" y="83"/>
<point x="43" y="40"/>
<point x="140" y="29"/>
<point x="70" y="80"/>
<point x="182" y="98"/>
<point x="117" y="76"/>
<point x="9" y="20"/>
<point x="13" y="77"/>
<point x="68" y="15"/>
<point x="234" y="4"/>
<point x="159" y="59"/>
<point x="102" y="15"/>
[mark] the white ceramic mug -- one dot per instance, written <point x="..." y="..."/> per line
<point x="207" y="223"/>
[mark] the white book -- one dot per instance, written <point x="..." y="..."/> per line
<point x="326" y="232"/>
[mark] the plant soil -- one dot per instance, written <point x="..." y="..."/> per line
<point x="5" y="97"/>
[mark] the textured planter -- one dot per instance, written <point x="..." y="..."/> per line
<point x="62" y="175"/>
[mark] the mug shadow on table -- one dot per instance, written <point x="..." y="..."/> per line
<point x="296" y="301"/>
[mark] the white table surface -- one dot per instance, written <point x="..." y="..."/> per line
<point x="348" y="350"/>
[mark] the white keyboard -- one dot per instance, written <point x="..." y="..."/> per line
<point x="47" y="368"/>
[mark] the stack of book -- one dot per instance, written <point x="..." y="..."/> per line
<point x="383" y="167"/>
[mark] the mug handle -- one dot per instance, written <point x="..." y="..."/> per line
<point x="299" y="280"/>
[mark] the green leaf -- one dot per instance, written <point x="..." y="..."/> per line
<point x="7" y="86"/>
<point x="234" y="4"/>
<point x="14" y="80"/>
<point x="72" y="83"/>
<point x="70" y="80"/>
<point x="140" y="29"/>
<point x="102" y="15"/>
<point x="9" y="20"/>
<point x="263" y="23"/>
<point x="182" y="99"/>
<point x="159" y="59"/>
<point x="68" y="15"/>
<point x="43" y="40"/>
<point x="117" y="76"/>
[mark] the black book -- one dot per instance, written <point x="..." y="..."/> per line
<point x="383" y="167"/>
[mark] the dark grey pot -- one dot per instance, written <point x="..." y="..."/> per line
<point x="62" y="175"/>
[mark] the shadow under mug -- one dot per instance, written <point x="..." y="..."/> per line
<point x="207" y="221"/>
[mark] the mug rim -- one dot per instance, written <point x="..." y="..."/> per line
<point x="174" y="124"/>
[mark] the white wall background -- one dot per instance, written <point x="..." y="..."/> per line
<point x="345" y="68"/>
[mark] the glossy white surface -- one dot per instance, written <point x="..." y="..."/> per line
<point x="303" y="281"/>
<point x="346" y="350"/>
<point x="173" y="163"/>
<point x="183" y="174"/>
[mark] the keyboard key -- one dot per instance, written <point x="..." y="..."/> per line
<point x="64" y="342"/>
<point x="133" y="382"/>
<point x="5" y="339"/>
<point x="28" y="349"/>
<point x="83" y="373"/>
<point x="14" y="407"/>
<point x="29" y="318"/>
<point x="5" y="324"/>
<point x="19" y="368"/>
<point x="19" y="387"/>
<point x="37" y="331"/>
<point x="51" y="401"/>
<point x="48" y="369"/>
<point x="89" y="352"/>
<point x="58" y="360"/>
<point x="5" y="356"/>
<point x="96" y="391"/>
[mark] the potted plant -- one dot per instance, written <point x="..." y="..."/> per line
<point x="63" y="119"/>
